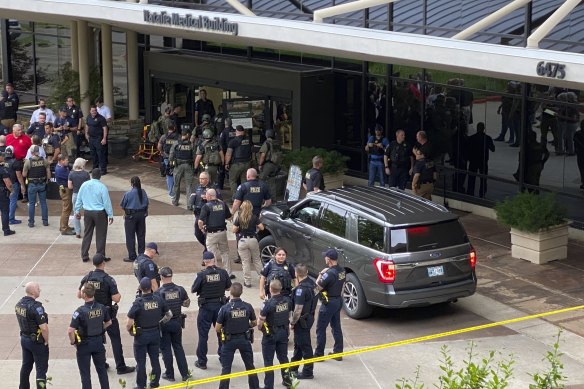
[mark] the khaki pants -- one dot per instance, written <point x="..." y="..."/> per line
<point x="249" y="251"/>
<point x="66" y="196"/>
<point x="425" y="191"/>
<point x="8" y="123"/>
<point x="217" y="244"/>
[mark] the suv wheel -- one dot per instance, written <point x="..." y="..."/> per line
<point x="354" y="301"/>
<point x="267" y="248"/>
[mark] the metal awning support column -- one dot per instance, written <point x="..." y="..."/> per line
<point x="492" y="18"/>
<point x="545" y="28"/>
<point x="242" y="9"/>
<point x="335" y="10"/>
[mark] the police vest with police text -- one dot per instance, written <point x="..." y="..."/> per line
<point x="183" y="152"/>
<point x="172" y="296"/>
<point x="151" y="311"/>
<point x="38" y="170"/>
<point x="282" y="274"/>
<point x="216" y="219"/>
<point x="25" y="317"/>
<point x="169" y="140"/>
<point x="280" y="315"/>
<point x="98" y="280"/>
<point x="92" y="315"/>
<point x="338" y="274"/>
<point x="212" y="286"/>
<point x="242" y="152"/>
<point x="238" y="316"/>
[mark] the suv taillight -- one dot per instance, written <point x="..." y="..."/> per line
<point x="385" y="270"/>
<point x="473" y="258"/>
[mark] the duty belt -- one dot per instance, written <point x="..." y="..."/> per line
<point x="132" y="211"/>
<point x="183" y="162"/>
<point x="215" y="231"/>
<point x="37" y="180"/>
<point x="150" y="328"/>
<point x="249" y="236"/>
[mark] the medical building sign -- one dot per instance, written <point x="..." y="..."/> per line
<point x="221" y="25"/>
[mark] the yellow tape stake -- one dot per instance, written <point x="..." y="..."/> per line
<point x="367" y="349"/>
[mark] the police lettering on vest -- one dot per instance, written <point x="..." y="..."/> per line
<point x="149" y="310"/>
<point x="255" y="191"/>
<point x="277" y="311"/>
<point x="97" y="279"/>
<point x="38" y="170"/>
<point x="242" y="149"/>
<point x="332" y="281"/>
<point x="169" y="140"/>
<point x="30" y="315"/>
<point x="214" y="214"/>
<point x="237" y="315"/>
<point x="213" y="286"/>
<point x="173" y="298"/>
<point x="183" y="152"/>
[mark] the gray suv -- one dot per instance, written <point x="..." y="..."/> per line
<point x="399" y="250"/>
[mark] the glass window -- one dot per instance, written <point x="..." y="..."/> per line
<point x="22" y="58"/>
<point x="120" y="73"/>
<point x="334" y="220"/>
<point x="429" y="237"/>
<point x="307" y="212"/>
<point x="370" y="233"/>
<point x="51" y="53"/>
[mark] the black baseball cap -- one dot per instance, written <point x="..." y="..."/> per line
<point x="165" y="271"/>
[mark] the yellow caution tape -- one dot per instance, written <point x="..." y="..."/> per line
<point x="367" y="349"/>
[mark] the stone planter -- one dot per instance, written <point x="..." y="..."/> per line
<point x="333" y="181"/>
<point x="540" y="247"/>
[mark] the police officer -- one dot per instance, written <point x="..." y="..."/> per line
<point x="225" y="137"/>
<point x="212" y="222"/>
<point x="274" y="322"/>
<point x="198" y="200"/>
<point x="75" y="116"/>
<point x="38" y="128"/>
<point x="165" y="144"/>
<point x="135" y="205"/>
<point x="270" y="153"/>
<point x="107" y="294"/>
<point x="86" y="332"/>
<point x="238" y="157"/>
<point x="144" y="318"/>
<point x="209" y="152"/>
<point x="330" y="283"/>
<point x="235" y="323"/>
<point x="424" y="175"/>
<point x="210" y="284"/>
<point x="175" y="297"/>
<point x="278" y="268"/>
<point x="97" y="137"/>
<point x="182" y="156"/>
<point x="12" y="165"/>
<point x="34" y="336"/>
<point x="375" y="147"/>
<point x="398" y="161"/>
<point x="5" y="190"/>
<point x="302" y="320"/>
<point x="38" y="172"/>
<point x="9" y="102"/>
<point x="144" y="266"/>
<point x="255" y="191"/>
<point x="313" y="179"/>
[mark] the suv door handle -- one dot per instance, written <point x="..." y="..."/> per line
<point x="308" y="237"/>
<point x="340" y="250"/>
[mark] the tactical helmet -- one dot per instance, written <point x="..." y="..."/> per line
<point x="206" y="117"/>
<point x="9" y="152"/>
<point x="207" y="134"/>
<point x="270" y="134"/>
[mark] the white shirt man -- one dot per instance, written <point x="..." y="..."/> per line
<point x="42" y="108"/>
<point x="103" y="110"/>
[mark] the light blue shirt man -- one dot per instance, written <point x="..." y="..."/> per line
<point x="94" y="196"/>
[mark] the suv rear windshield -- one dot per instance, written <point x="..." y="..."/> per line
<point x="428" y="237"/>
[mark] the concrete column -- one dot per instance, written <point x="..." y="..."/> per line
<point x="107" y="66"/>
<point x="83" y="37"/>
<point x="74" y="47"/>
<point x="133" y="74"/>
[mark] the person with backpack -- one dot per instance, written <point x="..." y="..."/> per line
<point x="271" y="156"/>
<point x="304" y="302"/>
<point x="278" y="269"/>
<point x="210" y="154"/>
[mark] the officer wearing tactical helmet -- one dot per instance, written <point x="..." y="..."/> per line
<point x="210" y="154"/>
<point x="206" y="124"/>
<point x="225" y="137"/>
<point x="270" y="160"/>
<point x="164" y="146"/>
<point x="181" y="157"/>
<point x="106" y="293"/>
<point x="238" y="157"/>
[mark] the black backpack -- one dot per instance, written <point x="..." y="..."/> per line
<point x="281" y="274"/>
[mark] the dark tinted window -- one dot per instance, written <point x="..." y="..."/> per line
<point x="370" y="234"/>
<point x="308" y="212"/>
<point x="334" y="220"/>
<point x="431" y="237"/>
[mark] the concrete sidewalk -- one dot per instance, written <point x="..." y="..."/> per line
<point x="508" y="288"/>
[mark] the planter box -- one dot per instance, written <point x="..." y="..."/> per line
<point x="333" y="181"/>
<point x="540" y="247"/>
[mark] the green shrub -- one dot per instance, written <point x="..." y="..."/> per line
<point x="531" y="212"/>
<point x="333" y="161"/>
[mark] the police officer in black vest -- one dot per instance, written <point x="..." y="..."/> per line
<point x="164" y="146"/>
<point x="225" y="137"/>
<point x="175" y="297"/>
<point x="313" y="179"/>
<point x="97" y="138"/>
<point x="182" y="157"/>
<point x="330" y="282"/>
<point x="75" y="115"/>
<point x="235" y="324"/>
<point x="144" y="318"/>
<point x="255" y="191"/>
<point x="37" y="171"/>
<point x="238" y="157"/>
<point x="398" y="161"/>
<point x="274" y="322"/>
<point x="34" y="336"/>
<point x="210" y="284"/>
<point x="107" y="294"/>
<point x="144" y="266"/>
<point x="198" y="200"/>
<point x="212" y="220"/>
<point x="302" y="320"/>
<point x="86" y="332"/>
<point x="5" y="190"/>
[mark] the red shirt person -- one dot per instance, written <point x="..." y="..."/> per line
<point x="20" y="142"/>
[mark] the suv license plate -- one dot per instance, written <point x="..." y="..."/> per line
<point x="435" y="271"/>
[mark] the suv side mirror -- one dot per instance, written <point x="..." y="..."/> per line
<point x="285" y="213"/>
